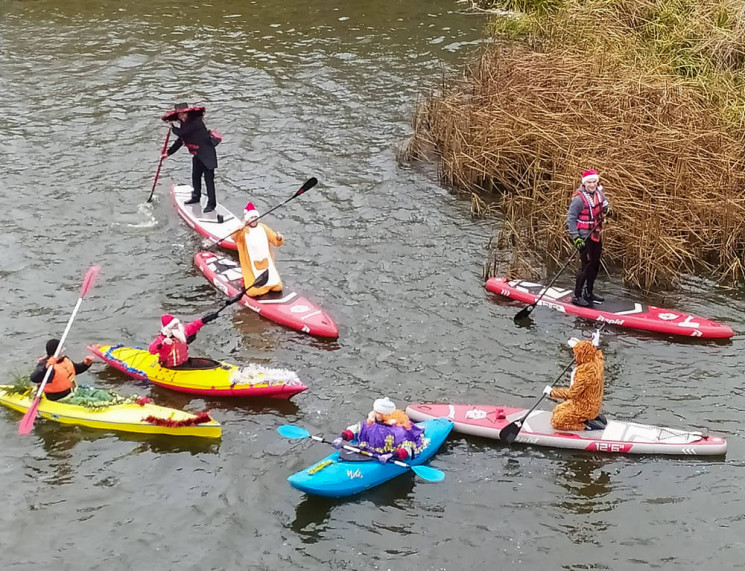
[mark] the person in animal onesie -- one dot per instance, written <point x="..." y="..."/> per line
<point x="387" y="432"/>
<point x="583" y="399"/>
<point x="254" y="243"/>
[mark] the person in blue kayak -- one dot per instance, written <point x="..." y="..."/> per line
<point x="387" y="432"/>
<point x="585" y="223"/>
<point x="201" y="144"/>
<point x="61" y="382"/>
<point x="172" y="343"/>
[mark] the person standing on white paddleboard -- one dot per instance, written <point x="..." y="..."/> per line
<point x="254" y="243"/>
<point x="585" y="223"/>
<point x="201" y="144"/>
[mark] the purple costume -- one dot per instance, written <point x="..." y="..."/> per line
<point x="382" y="438"/>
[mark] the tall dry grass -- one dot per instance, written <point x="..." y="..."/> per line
<point x="601" y="84"/>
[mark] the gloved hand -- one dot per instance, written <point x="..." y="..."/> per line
<point x="347" y="435"/>
<point x="547" y="390"/>
<point x="280" y="238"/>
<point x="385" y="457"/>
<point x="167" y="341"/>
<point x="337" y="443"/>
<point x="164" y="156"/>
<point x="88" y="360"/>
<point x="401" y="453"/>
<point x="207" y="317"/>
<point x="609" y="213"/>
<point x="579" y="243"/>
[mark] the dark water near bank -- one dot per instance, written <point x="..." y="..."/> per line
<point x="321" y="89"/>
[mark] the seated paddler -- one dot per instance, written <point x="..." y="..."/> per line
<point x="255" y="241"/>
<point x="61" y="382"/>
<point x="387" y="432"/>
<point x="172" y="343"/>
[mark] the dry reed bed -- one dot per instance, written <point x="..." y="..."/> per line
<point x="525" y="121"/>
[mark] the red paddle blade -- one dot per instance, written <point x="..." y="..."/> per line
<point x="90" y="276"/>
<point x="27" y="422"/>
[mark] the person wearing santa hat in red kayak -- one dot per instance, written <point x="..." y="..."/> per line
<point x="254" y="243"/>
<point x="201" y="144"/>
<point x="585" y="223"/>
<point x="172" y="344"/>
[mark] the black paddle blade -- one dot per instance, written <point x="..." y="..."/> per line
<point x="261" y="280"/>
<point x="310" y="183"/>
<point x="524" y="313"/>
<point x="510" y="432"/>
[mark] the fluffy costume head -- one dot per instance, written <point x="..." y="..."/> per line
<point x="584" y="352"/>
<point x="590" y="176"/>
<point x="52" y="345"/>
<point x="250" y="213"/>
<point x="172" y="327"/>
<point x="384" y="406"/>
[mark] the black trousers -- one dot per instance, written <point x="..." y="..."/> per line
<point x="590" y="258"/>
<point x="197" y="171"/>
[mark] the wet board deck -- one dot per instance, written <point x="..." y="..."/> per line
<point x="613" y="311"/>
<point x="286" y="307"/>
<point x="618" y="437"/>
<point x="208" y="225"/>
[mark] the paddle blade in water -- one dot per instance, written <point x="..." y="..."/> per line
<point x="428" y="473"/>
<point x="524" y="313"/>
<point x="290" y="431"/>
<point x="510" y="432"/>
<point x="27" y="422"/>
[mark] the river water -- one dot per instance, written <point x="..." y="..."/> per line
<point x="321" y="89"/>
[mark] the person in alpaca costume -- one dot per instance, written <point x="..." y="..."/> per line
<point x="583" y="399"/>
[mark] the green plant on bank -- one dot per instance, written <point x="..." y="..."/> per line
<point x="648" y="92"/>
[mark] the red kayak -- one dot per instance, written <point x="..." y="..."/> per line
<point x="614" y="311"/>
<point x="285" y="307"/>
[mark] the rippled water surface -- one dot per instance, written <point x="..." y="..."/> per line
<point x="321" y="89"/>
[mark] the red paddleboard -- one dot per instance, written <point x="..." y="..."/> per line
<point x="619" y="437"/>
<point x="286" y="307"/>
<point x="616" y="312"/>
<point x="215" y="225"/>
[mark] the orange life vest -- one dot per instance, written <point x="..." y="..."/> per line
<point x="62" y="377"/>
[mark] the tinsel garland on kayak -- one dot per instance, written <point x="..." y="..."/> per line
<point x="85" y="396"/>
<point x="200" y="418"/>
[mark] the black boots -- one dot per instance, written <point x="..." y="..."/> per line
<point x="193" y="200"/>
<point x="592" y="298"/>
<point x="580" y="301"/>
<point x="209" y="208"/>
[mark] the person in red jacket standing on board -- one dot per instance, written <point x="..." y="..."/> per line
<point x="172" y="344"/>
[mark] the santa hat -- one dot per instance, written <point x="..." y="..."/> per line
<point x="590" y="176"/>
<point x="250" y="212"/>
<point x="169" y="323"/>
<point x="384" y="406"/>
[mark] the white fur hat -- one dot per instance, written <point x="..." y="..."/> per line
<point x="384" y="406"/>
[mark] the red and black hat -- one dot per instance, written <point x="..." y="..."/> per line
<point x="182" y="108"/>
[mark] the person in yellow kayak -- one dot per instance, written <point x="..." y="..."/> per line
<point x="255" y="241"/>
<point x="61" y="383"/>
<point x="172" y="343"/>
<point x="387" y="432"/>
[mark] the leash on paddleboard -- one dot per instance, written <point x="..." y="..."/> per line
<point x="160" y="164"/>
<point x="27" y="422"/>
<point x="510" y="432"/>
<point x="425" y="472"/>
<point x="525" y="311"/>
<point x="307" y="185"/>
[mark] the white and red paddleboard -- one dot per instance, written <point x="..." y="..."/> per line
<point x="285" y="307"/>
<point x="616" y="312"/>
<point x="618" y="436"/>
<point x="215" y="225"/>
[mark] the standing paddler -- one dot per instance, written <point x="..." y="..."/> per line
<point x="255" y="241"/>
<point x="585" y="223"/>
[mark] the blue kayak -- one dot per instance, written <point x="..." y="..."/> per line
<point x="336" y="478"/>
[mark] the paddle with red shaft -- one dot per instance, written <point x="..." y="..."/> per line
<point x="525" y="311"/>
<point x="160" y="164"/>
<point x="424" y="472"/>
<point x="510" y="432"/>
<point x="27" y="422"/>
<point x="259" y="282"/>
<point x="307" y="185"/>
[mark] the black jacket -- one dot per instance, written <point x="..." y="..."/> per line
<point x="37" y="375"/>
<point x="196" y="137"/>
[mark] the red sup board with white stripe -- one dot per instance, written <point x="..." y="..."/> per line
<point x="619" y="437"/>
<point x="613" y="311"/>
<point x="286" y="307"/>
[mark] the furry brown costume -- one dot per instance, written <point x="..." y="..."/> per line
<point x="584" y="398"/>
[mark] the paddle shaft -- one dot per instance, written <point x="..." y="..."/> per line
<point x="160" y="164"/>
<point x="360" y="451"/>
<point x="258" y="282"/>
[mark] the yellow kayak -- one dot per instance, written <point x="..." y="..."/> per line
<point x="145" y="418"/>
<point x="205" y="377"/>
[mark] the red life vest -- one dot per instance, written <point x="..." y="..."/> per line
<point x="62" y="377"/>
<point x="174" y="354"/>
<point x="591" y="213"/>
